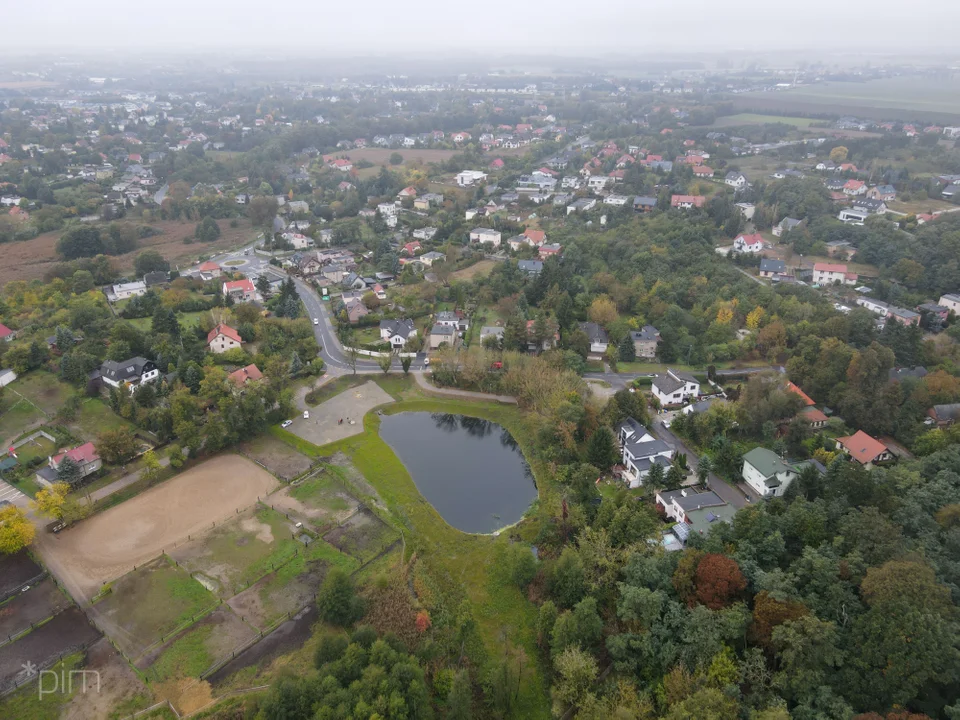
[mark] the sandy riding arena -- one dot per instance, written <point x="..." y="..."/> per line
<point x="138" y="530"/>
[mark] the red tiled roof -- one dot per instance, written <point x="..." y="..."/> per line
<point x="535" y="236"/>
<point x="751" y="239"/>
<point x="807" y="400"/>
<point x="208" y="266"/>
<point x="830" y="267"/>
<point x="246" y="285"/>
<point x="250" y="372"/>
<point x="5" y="331"/>
<point x="697" y="200"/>
<point x="862" y="447"/>
<point x="814" y="415"/>
<point x="226" y="330"/>
<point x="81" y="454"/>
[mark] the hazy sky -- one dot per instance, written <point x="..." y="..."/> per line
<point x="565" y="27"/>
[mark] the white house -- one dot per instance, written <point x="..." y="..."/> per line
<point x="951" y="301"/>
<point x="470" y="177"/>
<point x="640" y="451"/>
<point x="223" y="338"/>
<point x="485" y="235"/>
<point x="599" y="182"/>
<point x="748" y="243"/>
<point x="125" y="291"/>
<point x="785" y="225"/>
<point x="397" y="332"/>
<point x="853" y="215"/>
<point x="132" y="372"/>
<point x="240" y="290"/>
<point x="830" y="273"/>
<point x="736" y="180"/>
<point x="674" y="387"/>
<point x="599" y="340"/>
<point x="878" y="307"/>
<point x="766" y="473"/>
<point x="616" y="200"/>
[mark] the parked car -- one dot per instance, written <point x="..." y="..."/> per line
<point x="426" y="362"/>
<point x="316" y="321"/>
<point x="306" y="414"/>
<point x="286" y="423"/>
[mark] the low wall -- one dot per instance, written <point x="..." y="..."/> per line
<point x="372" y="353"/>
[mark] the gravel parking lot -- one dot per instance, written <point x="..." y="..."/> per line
<point x="351" y="405"/>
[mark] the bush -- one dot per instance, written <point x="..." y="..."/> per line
<point x="337" y="600"/>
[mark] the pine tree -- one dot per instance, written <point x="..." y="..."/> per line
<point x="628" y="351"/>
<point x="655" y="476"/>
<point x="296" y="364"/>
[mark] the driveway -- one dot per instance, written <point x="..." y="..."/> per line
<point x="728" y="493"/>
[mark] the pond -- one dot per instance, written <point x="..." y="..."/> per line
<point x="470" y="470"/>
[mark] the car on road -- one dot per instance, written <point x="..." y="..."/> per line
<point x="286" y="423"/>
<point x="306" y="414"/>
<point x="426" y="362"/>
<point x="316" y="321"/>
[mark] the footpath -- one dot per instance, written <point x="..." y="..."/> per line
<point x="461" y="394"/>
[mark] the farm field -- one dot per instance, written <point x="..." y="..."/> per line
<point x="30" y="259"/>
<point x="132" y="533"/>
<point x="477" y="270"/>
<point x="758" y="119"/>
<point x="916" y="207"/>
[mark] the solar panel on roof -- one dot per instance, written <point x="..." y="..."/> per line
<point x="711" y="517"/>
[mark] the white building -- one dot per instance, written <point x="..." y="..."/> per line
<point x="878" y="307"/>
<point x="599" y="182"/>
<point x="950" y="301"/>
<point x="640" y="451"/>
<point x="766" y="473"/>
<point x="125" y="291"/>
<point x="470" y="177"/>
<point x="675" y="387"/>
<point x="748" y="243"/>
<point x="616" y="200"/>
<point x="485" y="235"/>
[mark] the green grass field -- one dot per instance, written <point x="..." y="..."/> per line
<point x="322" y="492"/>
<point x="757" y="119"/>
<point x="95" y="417"/>
<point x="908" y="92"/>
<point x="187" y="320"/>
<point x="28" y="703"/>
<point x="16" y="416"/>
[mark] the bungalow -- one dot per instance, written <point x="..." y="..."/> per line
<point x="643" y="203"/>
<point x="379" y="291"/>
<point x="245" y="374"/>
<point x="581" y="205"/>
<point x="903" y="316"/>
<point x="491" y="331"/>
<point x="397" y="332"/>
<point x="645" y="341"/>
<point x="785" y="225"/>
<point x="536" y="237"/>
<point x="431" y="257"/>
<point x="426" y="233"/>
<point x="409" y="191"/>
<point x="703" y="171"/>
<point x="694" y="511"/>
<point x="864" y="449"/>
<point x="934" y="310"/>
<point x="640" y="451"/>
<point x="736" y="180"/>
<point x="685" y="202"/>
<point x="748" y="243"/>
<point x="599" y="182"/>
<point x="485" y="235"/>
<point x="470" y="177"/>
<point x="816" y="418"/>
<point x="951" y="301"/>
<point x="6" y="333"/>
<point x="125" y="291"/>
<point x="549" y="250"/>
<point x="530" y="267"/>
<point x="132" y="372"/>
<point x="807" y="400"/>
<point x="882" y="192"/>
<point x="412" y="248"/>
<point x="548" y="343"/>
<point x="771" y="268"/>
<point x="674" y="387"/>
<point x="442" y="334"/>
<point x="599" y="340"/>
<point x="83" y="455"/>
<point x="223" y="338"/>
<point x="830" y="273"/>
<point x="766" y="473"/>
<point x="616" y="200"/>
<point x="748" y="210"/>
<point x="877" y="307"/>
<point x="944" y="415"/>
<point x="355" y="310"/>
<point x="240" y="290"/>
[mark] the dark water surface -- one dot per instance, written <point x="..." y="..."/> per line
<point x="470" y="470"/>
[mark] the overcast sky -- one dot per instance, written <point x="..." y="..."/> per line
<point x="563" y="27"/>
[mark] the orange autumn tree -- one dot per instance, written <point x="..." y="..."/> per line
<point x="718" y="580"/>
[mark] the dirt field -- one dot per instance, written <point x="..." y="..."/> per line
<point x="38" y="603"/>
<point x="237" y="553"/>
<point x="363" y="535"/>
<point x="30" y="259"/>
<point x="16" y="570"/>
<point x="278" y="457"/>
<point x="196" y="649"/>
<point x="118" y="684"/>
<point x="66" y="632"/>
<point x="269" y="599"/>
<point x="320" y="500"/>
<point x="132" y="533"/>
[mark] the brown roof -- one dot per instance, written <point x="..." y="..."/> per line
<point x="250" y="372"/>
<point x="862" y="447"/>
<point x="226" y="330"/>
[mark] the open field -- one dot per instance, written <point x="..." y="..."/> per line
<point x="187" y="320"/>
<point x="17" y="416"/>
<point x="30" y="259"/>
<point x="211" y="639"/>
<point x="40" y="602"/>
<point x="109" y="544"/>
<point x="121" y="690"/>
<point x="757" y="119"/>
<point x="15" y="570"/>
<point x="381" y="156"/>
<point x="321" y="500"/>
<point x="324" y="426"/>
<point x="363" y="535"/>
<point x="477" y="270"/>
<point x="43" y="389"/>
<point x="149" y="603"/>
<point x="916" y="207"/>
<point x="234" y="555"/>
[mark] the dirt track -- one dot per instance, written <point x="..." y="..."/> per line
<point x="113" y="542"/>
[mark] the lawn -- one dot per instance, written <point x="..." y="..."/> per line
<point x="43" y="389"/>
<point x="461" y="560"/>
<point x="37" y="448"/>
<point x="187" y="320"/>
<point x="28" y="703"/>
<point x="17" y="416"/>
<point x="477" y="270"/>
<point x="151" y="602"/>
<point x="916" y="207"/>
<point x="323" y="491"/>
<point x="95" y="417"/>
<point x="757" y="119"/>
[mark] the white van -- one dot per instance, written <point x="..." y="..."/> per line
<point x="306" y="414"/>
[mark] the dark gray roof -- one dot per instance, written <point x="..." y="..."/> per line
<point x="595" y="332"/>
<point x="156" y="278"/>
<point x="947" y="412"/>
<point x="403" y="327"/>
<point x="132" y="368"/>
<point x="646" y="333"/>
<point x="646" y="448"/>
<point x="644" y="200"/>
<point x="903" y="373"/>
<point x="692" y="500"/>
<point x="770" y="265"/>
<point x="530" y="266"/>
<point x="442" y="330"/>
<point x="633" y="425"/>
<point x="667" y="384"/>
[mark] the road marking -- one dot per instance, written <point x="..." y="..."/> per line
<point x="9" y="493"/>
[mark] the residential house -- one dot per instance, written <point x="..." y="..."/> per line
<point x="816" y="418"/>
<point x="933" y="310"/>
<point x="428" y="259"/>
<point x="485" y="235"/>
<point x="899" y="374"/>
<point x="298" y="206"/>
<point x="944" y="415"/>
<point x="854" y="188"/>
<point x="223" y="338"/>
<point x="645" y="341"/>
<point x="864" y="449"/>
<point x="408" y="192"/>
<point x="209" y="268"/>
<point x="356" y="311"/>
<point x="766" y="473"/>
<point x="702" y="171"/>
<point x="440" y="334"/>
<point x="695" y="512"/>
<point x="582" y="205"/>
<point x="748" y="243"/>
<point x="877" y="307"/>
<point x="807" y="400"/>
<point x="132" y="372"/>
<point x="597" y="183"/>
<point x="240" y="290"/>
<point x="426" y="233"/>
<point x="830" y="273"/>
<point x="155" y="278"/>
<point x="645" y="204"/>
<point x="886" y="193"/>
<point x="951" y="301"/>
<point x="470" y="177"/>
<point x="599" y="340"/>
<point x="6" y="333"/>
<point x="491" y="331"/>
<point x="125" y="291"/>
<point x="536" y="237"/>
<point x="640" y="451"/>
<point x="397" y="332"/>
<point x="549" y="250"/>
<point x="785" y="226"/>
<point x="85" y="456"/>
<point x="616" y="200"/>
<point x="748" y="210"/>
<point x="675" y="387"/>
<point x="245" y="374"/>
<point x="530" y="267"/>
<point x="685" y="202"/>
<point x="736" y="180"/>
<point x="772" y="268"/>
<point x="412" y="248"/>
<point x="903" y="316"/>
<point x="547" y="343"/>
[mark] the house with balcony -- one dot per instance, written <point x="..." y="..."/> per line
<point x="675" y="387"/>
<point x="640" y="451"/>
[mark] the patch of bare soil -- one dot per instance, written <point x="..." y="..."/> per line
<point x="117" y="684"/>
